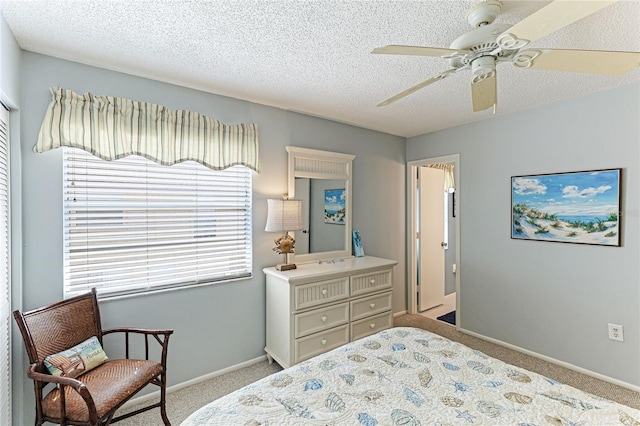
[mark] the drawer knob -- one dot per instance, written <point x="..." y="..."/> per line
<point x="372" y="325"/>
<point x="324" y="292"/>
<point x="373" y="305"/>
<point x="324" y="318"/>
<point x="324" y="342"/>
<point x="372" y="281"/>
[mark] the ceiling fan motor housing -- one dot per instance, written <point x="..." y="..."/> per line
<point x="480" y="42"/>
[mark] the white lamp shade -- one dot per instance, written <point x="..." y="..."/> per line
<point x="284" y="215"/>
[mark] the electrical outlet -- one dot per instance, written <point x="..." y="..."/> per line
<point x="616" y="332"/>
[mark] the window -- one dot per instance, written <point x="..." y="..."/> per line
<point x="132" y="225"/>
<point x="5" y="281"/>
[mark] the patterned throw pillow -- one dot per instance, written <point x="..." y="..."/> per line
<point x="76" y="360"/>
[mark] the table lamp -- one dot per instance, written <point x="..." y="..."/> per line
<point x="283" y="216"/>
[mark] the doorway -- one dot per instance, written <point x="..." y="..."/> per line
<point x="414" y="262"/>
<point x="431" y="241"/>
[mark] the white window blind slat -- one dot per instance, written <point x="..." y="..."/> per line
<point x="132" y="225"/>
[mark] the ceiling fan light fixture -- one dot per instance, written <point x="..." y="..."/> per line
<point x="483" y="67"/>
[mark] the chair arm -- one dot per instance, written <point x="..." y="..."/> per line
<point x="50" y="378"/>
<point x="161" y="336"/>
<point x="80" y="388"/>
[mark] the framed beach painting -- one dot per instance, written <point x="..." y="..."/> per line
<point x="574" y="207"/>
<point x="334" y="206"/>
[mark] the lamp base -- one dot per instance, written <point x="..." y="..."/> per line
<point x="286" y="267"/>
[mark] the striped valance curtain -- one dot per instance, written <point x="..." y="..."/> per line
<point x="112" y="127"/>
<point x="449" y="181"/>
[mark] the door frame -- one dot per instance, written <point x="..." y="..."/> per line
<point x="412" y="183"/>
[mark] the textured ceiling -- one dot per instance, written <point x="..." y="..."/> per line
<point x="313" y="56"/>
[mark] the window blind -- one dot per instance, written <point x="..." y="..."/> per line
<point x="133" y="225"/>
<point x="5" y="281"/>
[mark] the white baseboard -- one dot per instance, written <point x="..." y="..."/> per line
<point x="399" y="314"/>
<point x="170" y="389"/>
<point x="555" y="361"/>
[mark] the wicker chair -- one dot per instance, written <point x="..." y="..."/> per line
<point x="93" y="397"/>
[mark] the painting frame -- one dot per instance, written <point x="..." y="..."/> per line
<point x="580" y="207"/>
<point x="335" y="206"/>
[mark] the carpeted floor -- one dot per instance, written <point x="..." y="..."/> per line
<point x="182" y="403"/>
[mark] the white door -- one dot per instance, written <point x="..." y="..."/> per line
<point x="430" y="238"/>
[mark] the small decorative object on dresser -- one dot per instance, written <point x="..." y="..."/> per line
<point x="358" y="250"/>
<point x="320" y="306"/>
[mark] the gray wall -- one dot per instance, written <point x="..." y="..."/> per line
<point x="220" y="325"/>
<point x="551" y="298"/>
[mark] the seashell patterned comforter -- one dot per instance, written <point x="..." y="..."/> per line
<point x="407" y="376"/>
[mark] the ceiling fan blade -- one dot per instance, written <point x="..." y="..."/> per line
<point x="419" y="86"/>
<point x="484" y="93"/>
<point x="585" y="61"/>
<point x="556" y="15"/>
<point x="417" y="51"/>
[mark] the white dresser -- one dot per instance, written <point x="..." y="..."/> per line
<point x="320" y="306"/>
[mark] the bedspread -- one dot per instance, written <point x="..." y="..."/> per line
<point x="408" y="376"/>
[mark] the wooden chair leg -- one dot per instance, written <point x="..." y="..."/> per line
<point x="163" y="400"/>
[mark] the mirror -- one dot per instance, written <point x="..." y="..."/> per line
<point x="323" y="214"/>
<point x="322" y="180"/>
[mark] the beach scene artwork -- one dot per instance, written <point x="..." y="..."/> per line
<point x="576" y="207"/>
<point x="334" y="206"/>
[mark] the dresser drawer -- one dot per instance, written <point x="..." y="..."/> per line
<point x="316" y="344"/>
<point x="367" y="326"/>
<point x="371" y="305"/>
<point x="366" y="283"/>
<point x="321" y="319"/>
<point x="321" y="292"/>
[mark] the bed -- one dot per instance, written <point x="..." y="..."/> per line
<point x="408" y="376"/>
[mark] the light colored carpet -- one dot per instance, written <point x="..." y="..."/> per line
<point x="182" y="403"/>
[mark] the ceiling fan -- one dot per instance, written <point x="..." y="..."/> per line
<point x="481" y="49"/>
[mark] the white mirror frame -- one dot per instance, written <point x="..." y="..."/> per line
<point x="316" y="164"/>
